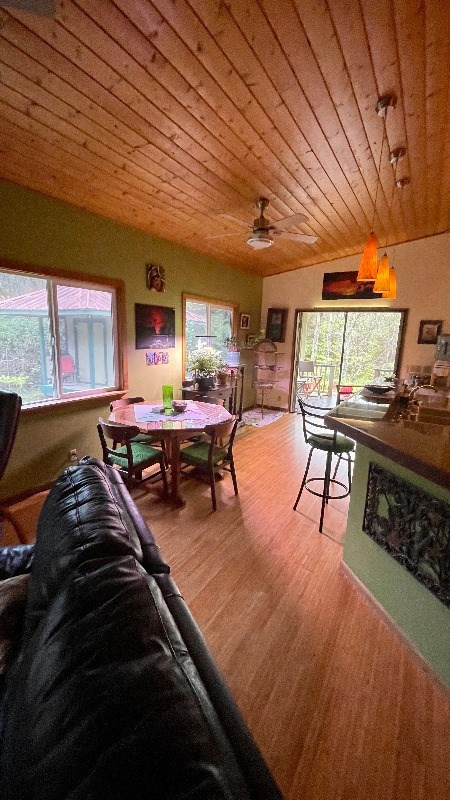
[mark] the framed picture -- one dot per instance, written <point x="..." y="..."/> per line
<point x="429" y="330"/>
<point x="155" y="327"/>
<point x="155" y="278"/>
<point x="276" y="324"/>
<point x="250" y="341"/>
<point x="344" y="286"/>
<point x="245" y="321"/>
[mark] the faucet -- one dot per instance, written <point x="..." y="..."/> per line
<point x="415" y="389"/>
<point x="400" y="406"/>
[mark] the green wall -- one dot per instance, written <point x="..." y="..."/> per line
<point x="418" y="613"/>
<point x="38" y="230"/>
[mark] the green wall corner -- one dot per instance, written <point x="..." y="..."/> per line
<point x="39" y="230"/>
<point x="423" y="619"/>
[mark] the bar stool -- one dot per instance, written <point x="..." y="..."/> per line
<point x="319" y="437"/>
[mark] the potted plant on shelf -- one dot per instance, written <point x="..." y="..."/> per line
<point x="204" y="363"/>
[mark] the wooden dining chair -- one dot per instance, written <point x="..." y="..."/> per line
<point x="145" y="438"/>
<point x="131" y="457"/>
<point x="214" y="454"/>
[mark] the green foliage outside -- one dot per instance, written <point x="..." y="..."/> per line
<point x="20" y="354"/>
<point x="370" y="342"/>
<point x="203" y="319"/>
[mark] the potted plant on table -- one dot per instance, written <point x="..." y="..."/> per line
<point x="204" y="363"/>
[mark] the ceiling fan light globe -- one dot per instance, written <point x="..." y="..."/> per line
<point x="259" y="241"/>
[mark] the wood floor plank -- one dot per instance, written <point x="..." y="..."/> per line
<point x="339" y="705"/>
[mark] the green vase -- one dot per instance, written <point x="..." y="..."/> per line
<point x="167" y="396"/>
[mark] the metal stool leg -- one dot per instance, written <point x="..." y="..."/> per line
<point x="304" y="479"/>
<point x="337" y="465"/>
<point x="326" y="488"/>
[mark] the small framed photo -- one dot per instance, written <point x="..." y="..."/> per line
<point x="276" y="324"/>
<point x="156" y="280"/>
<point x="250" y="341"/>
<point x="245" y="321"/>
<point x="429" y="330"/>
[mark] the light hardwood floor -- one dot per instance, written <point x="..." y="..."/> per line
<point x="339" y="706"/>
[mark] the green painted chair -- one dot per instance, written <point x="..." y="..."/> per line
<point x="213" y="455"/>
<point x="131" y="457"/>
<point x="319" y="437"/>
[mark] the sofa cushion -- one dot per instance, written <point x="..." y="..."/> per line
<point x="105" y="702"/>
<point x="87" y="513"/>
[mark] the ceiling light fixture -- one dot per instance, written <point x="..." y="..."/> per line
<point x="402" y="182"/>
<point x="396" y="155"/>
<point x="259" y="240"/>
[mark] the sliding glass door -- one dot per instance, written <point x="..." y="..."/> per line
<point x="348" y="348"/>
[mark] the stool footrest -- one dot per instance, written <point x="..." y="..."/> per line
<point x="327" y="496"/>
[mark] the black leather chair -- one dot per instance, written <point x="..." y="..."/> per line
<point x="10" y="405"/>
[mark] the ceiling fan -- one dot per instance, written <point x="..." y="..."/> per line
<point x="263" y="231"/>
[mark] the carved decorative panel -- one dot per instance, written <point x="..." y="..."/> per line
<point x="413" y="526"/>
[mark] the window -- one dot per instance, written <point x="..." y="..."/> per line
<point x="58" y="337"/>
<point x="349" y="348"/>
<point x="207" y="322"/>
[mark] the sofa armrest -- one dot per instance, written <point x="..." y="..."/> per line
<point x="260" y="783"/>
<point x="151" y="557"/>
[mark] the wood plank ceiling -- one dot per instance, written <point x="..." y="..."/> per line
<point x="163" y="115"/>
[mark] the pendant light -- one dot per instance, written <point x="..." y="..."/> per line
<point x="391" y="293"/>
<point x="369" y="261"/>
<point x="368" y="268"/>
<point x="382" y="280"/>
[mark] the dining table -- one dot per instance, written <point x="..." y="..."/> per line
<point x="172" y="427"/>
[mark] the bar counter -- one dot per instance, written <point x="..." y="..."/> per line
<point x="396" y="543"/>
<point x="422" y="447"/>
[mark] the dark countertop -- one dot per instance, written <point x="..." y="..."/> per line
<point x="421" y="447"/>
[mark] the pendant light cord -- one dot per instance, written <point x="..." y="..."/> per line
<point x="390" y="215"/>
<point x="379" y="176"/>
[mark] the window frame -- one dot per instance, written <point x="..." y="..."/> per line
<point x="297" y="335"/>
<point x="213" y="302"/>
<point x="75" y="278"/>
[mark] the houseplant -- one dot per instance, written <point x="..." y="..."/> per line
<point x="204" y="364"/>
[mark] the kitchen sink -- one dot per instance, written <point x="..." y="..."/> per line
<point x="436" y="416"/>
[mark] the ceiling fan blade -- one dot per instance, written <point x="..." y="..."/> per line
<point x="298" y="237"/>
<point x="222" y="235"/>
<point x="294" y="219"/>
<point x="235" y="219"/>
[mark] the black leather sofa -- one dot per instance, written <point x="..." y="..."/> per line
<point x="112" y="692"/>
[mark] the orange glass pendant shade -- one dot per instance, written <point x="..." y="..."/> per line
<point x="369" y="262"/>
<point x="382" y="281"/>
<point x="391" y="294"/>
